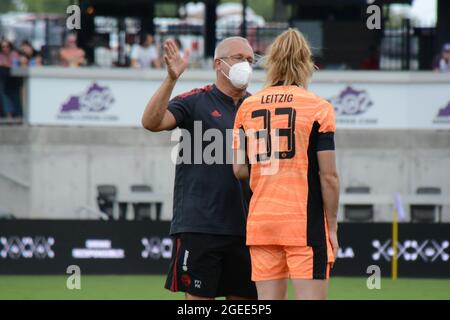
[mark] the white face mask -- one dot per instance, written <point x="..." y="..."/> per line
<point x="239" y="74"/>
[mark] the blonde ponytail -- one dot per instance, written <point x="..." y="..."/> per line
<point x="289" y="60"/>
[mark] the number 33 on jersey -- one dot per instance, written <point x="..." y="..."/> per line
<point x="282" y="128"/>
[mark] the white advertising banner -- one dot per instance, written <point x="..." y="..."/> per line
<point x="120" y="102"/>
<point x="388" y="105"/>
<point x="80" y="102"/>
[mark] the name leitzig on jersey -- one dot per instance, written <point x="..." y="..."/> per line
<point x="277" y="98"/>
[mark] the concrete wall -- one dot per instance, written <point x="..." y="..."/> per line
<point x="63" y="166"/>
<point x="15" y="177"/>
<point x="394" y="161"/>
<point x="50" y="172"/>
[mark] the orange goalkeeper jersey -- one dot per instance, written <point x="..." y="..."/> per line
<point x="282" y="128"/>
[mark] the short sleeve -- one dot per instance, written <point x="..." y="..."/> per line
<point x="327" y="127"/>
<point x="181" y="110"/>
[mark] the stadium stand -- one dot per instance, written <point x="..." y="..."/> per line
<point x="426" y="213"/>
<point x="358" y="213"/>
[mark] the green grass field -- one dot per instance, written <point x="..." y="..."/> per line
<point x="151" y="287"/>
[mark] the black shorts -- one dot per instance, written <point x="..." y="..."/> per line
<point x="211" y="266"/>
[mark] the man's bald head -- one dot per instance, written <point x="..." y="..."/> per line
<point x="229" y="52"/>
<point x="231" y="46"/>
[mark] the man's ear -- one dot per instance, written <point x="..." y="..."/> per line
<point x="216" y="64"/>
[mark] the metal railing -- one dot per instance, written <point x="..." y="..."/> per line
<point x="405" y="46"/>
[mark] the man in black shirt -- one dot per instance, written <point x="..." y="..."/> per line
<point x="210" y="258"/>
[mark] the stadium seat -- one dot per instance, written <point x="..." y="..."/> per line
<point x="426" y="213"/>
<point x="106" y="196"/>
<point x="142" y="211"/>
<point x="141" y="188"/>
<point x="358" y="213"/>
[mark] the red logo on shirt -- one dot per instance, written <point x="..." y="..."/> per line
<point x="186" y="280"/>
<point x="216" y="114"/>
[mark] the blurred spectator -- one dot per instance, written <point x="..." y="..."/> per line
<point x="442" y="62"/>
<point x="71" y="55"/>
<point x="103" y="57"/>
<point x="28" y="56"/>
<point x="9" y="87"/>
<point x="179" y="46"/>
<point x="8" y="56"/>
<point x="145" y="54"/>
<point x="372" y="61"/>
<point x="130" y="42"/>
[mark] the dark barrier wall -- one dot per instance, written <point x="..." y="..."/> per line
<point x="49" y="247"/>
<point x="97" y="247"/>
<point x="423" y="249"/>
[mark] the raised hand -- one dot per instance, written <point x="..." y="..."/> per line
<point x="175" y="64"/>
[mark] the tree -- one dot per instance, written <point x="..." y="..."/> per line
<point x="7" y="5"/>
<point x="39" y="6"/>
<point x="263" y="8"/>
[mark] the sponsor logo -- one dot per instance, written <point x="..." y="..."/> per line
<point x="98" y="249"/>
<point x="351" y="102"/>
<point x="350" y="105"/>
<point x="216" y="114"/>
<point x="412" y="250"/>
<point x="443" y="116"/>
<point x="156" y="248"/>
<point x="89" y="105"/>
<point x="186" y="280"/>
<point x="38" y="247"/>
<point x="346" y="253"/>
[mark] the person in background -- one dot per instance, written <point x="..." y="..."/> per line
<point x="28" y="56"/>
<point x="179" y="46"/>
<point x="130" y="42"/>
<point x="71" y="55"/>
<point x="145" y="54"/>
<point x="442" y="61"/>
<point x="8" y="56"/>
<point x="9" y="96"/>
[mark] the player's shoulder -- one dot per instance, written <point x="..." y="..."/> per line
<point x="319" y="102"/>
<point x="306" y="94"/>
<point x="194" y="93"/>
<point x="255" y="98"/>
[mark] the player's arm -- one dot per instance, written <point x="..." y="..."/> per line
<point x="329" y="182"/>
<point x="156" y="117"/>
<point x="240" y="166"/>
<point x="240" y="163"/>
<point x="329" y="179"/>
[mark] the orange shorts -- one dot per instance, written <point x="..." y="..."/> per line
<point x="272" y="262"/>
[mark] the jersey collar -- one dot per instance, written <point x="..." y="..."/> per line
<point x="227" y="98"/>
